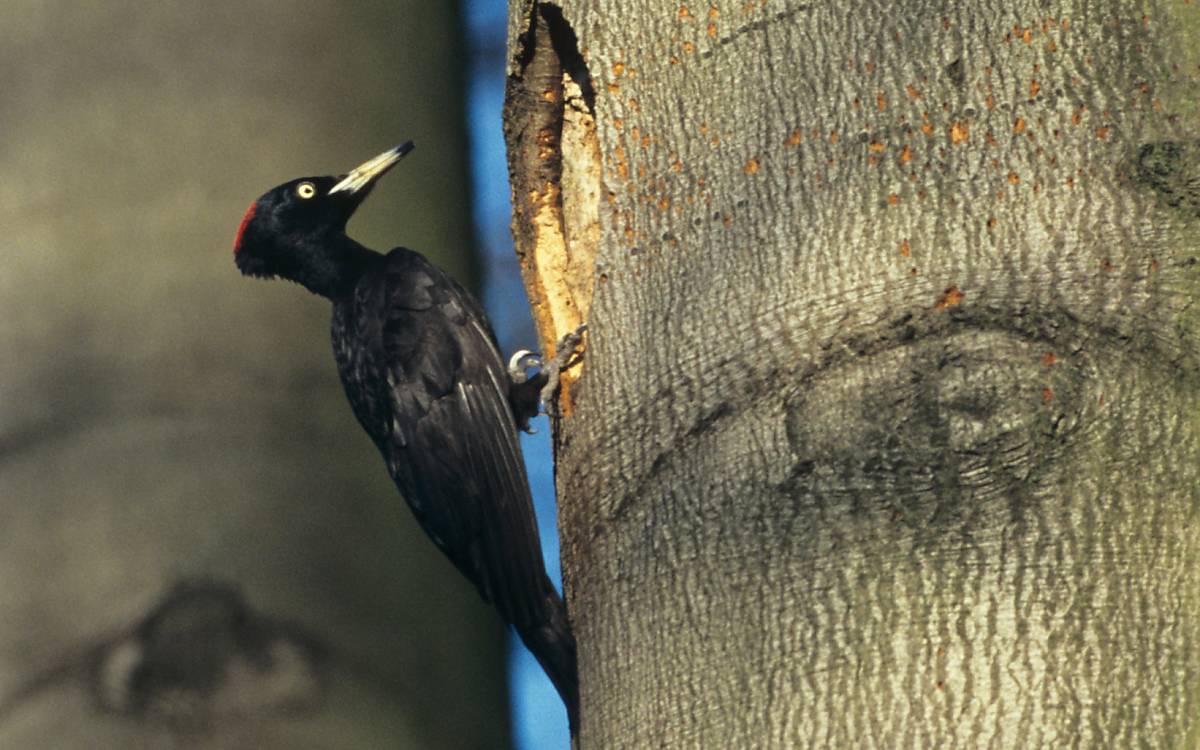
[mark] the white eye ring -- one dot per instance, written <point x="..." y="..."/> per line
<point x="306" y="190"/>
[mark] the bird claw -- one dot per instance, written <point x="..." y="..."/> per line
<point x="520" y="363"/>
<point x="531" y="395"/>
<point x="566" y="356"/>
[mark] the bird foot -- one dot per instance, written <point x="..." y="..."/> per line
<point x="567" y="355"/>
<point x="530" y="395"/>
<point x="519" y="365"/>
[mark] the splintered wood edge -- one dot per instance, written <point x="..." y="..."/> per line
<point x="554" y="162"/>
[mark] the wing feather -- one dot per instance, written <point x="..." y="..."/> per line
<point x="430" y="387"/>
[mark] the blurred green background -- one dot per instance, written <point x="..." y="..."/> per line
<point x="164" y="420"/>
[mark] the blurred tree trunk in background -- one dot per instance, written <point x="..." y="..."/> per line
<point x="174" y="443"/>
<point x="887" y="434"/>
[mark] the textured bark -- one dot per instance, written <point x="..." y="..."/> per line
<point x="888" y="432"/>
<point x="165" y="420"/>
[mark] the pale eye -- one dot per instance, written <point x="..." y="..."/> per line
<point x="306" y="190"/>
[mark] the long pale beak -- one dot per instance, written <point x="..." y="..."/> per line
<point x="365" y="174"/>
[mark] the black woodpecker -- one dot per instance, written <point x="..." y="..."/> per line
<point x="421" y="368"/>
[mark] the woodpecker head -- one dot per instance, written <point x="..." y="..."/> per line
<point x="292" y="230"/>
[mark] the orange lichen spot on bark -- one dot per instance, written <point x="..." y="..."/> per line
<point x="614" y="87"/>
<point x="676" y="165"/>
<point x="751" y="166"/>
<point x="893" y="199"/>
<point x="873" y="160"/>
<point x="991" y="223"/>
<point x="794" y="138"/>
<point x="1013" y="178"/>
<point x="990" y="138"/>
<point x="713" y="13"/>
<point x="990" y="102"/>
<point x="833" y="136"/>
<point x="906" y="154"/>
<point x="1071" y="181"/>
<point x="876" y="147"/>
<point x="880" y="101"/>
<point x="688" y="47"/>
<point x="727" y="219"/>
<point x="1047" y="395"/>
<point x="1107" y="266"/>
<point x="1019" y="125"/>
<point x="633" y="104"/>
<point x="927" y="128"/>
<point x="1066" y="23"/>
<point x="1048" y="359"/>
<point x="1027" y="35"/>
<point x="905" y="249"/>
<point x="869" y="67"/>
<point x="1102" y="132"/>
<point x="622" y="165"/>
<point x="950" y="297"/>
<point x="1034" y="88"/>
<point x="664" y="203"/>
<point x="684" y="13"/>
<point x="714" y="141"/>
<point x="703" y="128"/>
<point x="1051" y="47"/>
<point x="618" y="123"/>
<point x="912" y="91"/>
<point x="1077" y="116"/>
<point x="618" y="68"/>
<point x="1154" y="265"/>
<point x="711" y="30"/>
<point x="959" y="132"/>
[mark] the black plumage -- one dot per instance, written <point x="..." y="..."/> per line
<point x="422" y="371"/>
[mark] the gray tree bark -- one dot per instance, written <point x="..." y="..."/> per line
<point x="886" y="435"/>
<point x="198" y="546"/>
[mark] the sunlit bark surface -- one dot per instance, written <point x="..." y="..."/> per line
<point x="887" y="434"/>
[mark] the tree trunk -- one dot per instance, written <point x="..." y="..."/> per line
<point x="199" y="546"/>
<point x="886" y="435"/>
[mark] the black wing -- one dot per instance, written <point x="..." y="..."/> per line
<point x="423" y="373"/>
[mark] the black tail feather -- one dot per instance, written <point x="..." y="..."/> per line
<point x="553" y="644"/>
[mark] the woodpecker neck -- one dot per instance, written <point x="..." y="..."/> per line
<point x="331" y="267"/>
